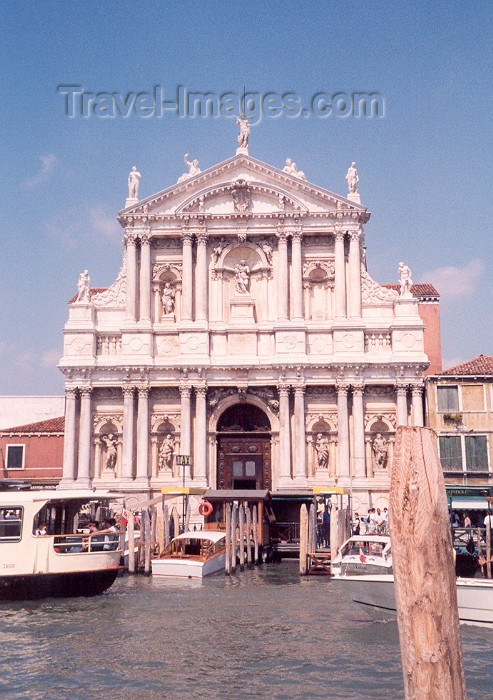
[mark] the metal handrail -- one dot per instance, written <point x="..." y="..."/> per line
<point x="86" y="544"/>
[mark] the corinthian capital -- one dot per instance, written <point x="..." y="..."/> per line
<point x="128" y="391"/>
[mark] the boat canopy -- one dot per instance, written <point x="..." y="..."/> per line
<point x="212" y="535"/>
<point x="237" y="495"/>
<point x="20" y="497"/>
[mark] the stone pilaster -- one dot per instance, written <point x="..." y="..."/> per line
<point x="297" y="271"/>
<point x="130" y="240"/>
<point x="186" y="423"/>
<point x="340" y="276"/>
<point x="401" y="391"/>
<point x="359" y="432"/>
<point x="299" y="419"/>
<point x="143" y="435"/>
<point x="201" y="277"/>
<point x="343" y="432"/>
<point x="85" y="439"/>
<point x="417" y="403"/>
<point x="282" y="275"/>
<point x="145" y="278"/>
<point x="284" y="434"/>
<point x="200" y="459"/>
<point x="69" y="443"/>
<point x="128" y="433"/>
<point x="355" y="274"/>
<point x="187" y="289"/>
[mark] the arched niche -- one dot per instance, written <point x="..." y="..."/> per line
<point x="107" y="444"/>
<point x="379" y="439"/>
<point x="318" y="285"/>
<point x="166" y="276"/>
<point x="321" y="436"/>
<point x="250" y="399"/>
<point x="165" y="442"/>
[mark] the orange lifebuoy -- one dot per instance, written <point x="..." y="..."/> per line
<point x="205" y="508"/>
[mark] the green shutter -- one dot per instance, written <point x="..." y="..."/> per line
<point x="450" y="453"/>
<point x="448" y="399"/>
<point x="476" y="453"/>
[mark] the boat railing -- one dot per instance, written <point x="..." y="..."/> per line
<point x="285" y="532"/>
<point x="86" y="544"/>
<point x="462" y="536"/>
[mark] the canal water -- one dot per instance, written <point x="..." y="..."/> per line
<point x="261" y="634"/>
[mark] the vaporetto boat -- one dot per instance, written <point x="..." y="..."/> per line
<point x="62" y="562"/>
<point x="193" y="554"/>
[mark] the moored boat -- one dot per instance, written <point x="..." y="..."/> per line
<point x="362" y="555"/>
<point x="62" y="562"/>
<point x="192" y="555"/>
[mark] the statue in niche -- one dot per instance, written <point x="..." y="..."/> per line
<point x="267" y="249"/>
<point x="168" y="299"/>
<point x="380" y="451"/>
<point x="166" y="452"/>
<point x="405" y="280"/>
<point x="216" y="253"/>
<point x="193" y="168"/>
<point x="244" y="133"/>
<point x="111" y="442"/>
<point x="83" y="286"/>
<point x="291" y="169"/>
<point x="352" y="179"/>
<point x="242" y="276"/>
<point x="133" y="183"/>
<point x="322" y="450"/>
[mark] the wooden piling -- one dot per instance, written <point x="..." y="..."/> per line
<point x="424" y="572"/>
<point x="188" y="513"/>
<point x="312" y="529"/>
<point x="303" y="540"/>
<point x="248" y="534"/>
<point x="176" y="521"/>
<point x="122" y="537"/>
<point x="153" y="530"/>
<point x="147" y="541"/>
<point x="131" y="542"/>
<point x="334" y="532"/>
<point x="227" y="559"/>
<point x="255" y="534"/>
<point x="234" y="516"/>
<point x="160" y="530"/>
<point x="166" y="525"/>
<point x="241" y="535"/>
<point x="488" y="547"/>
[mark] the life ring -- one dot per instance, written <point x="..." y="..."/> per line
<point x="205" y="508"/>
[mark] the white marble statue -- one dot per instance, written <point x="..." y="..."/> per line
<point x="291" y="169"/>
<point x="193" y="168"/>
<point x="380" y="451"/>
<point x="322" y="450"/>
<point x="168" y="299"/>
<point x="166" y="452"/>
<point x="133" y="183"/>
<point x="352" y="179"/>
<point x="244" y="133"/>
<point x="83" y="287"/>
<point x="405" y="280"/>
<point x="216" y="253"/>
<point x="242" y="276"/>
<point x="111" y="442"/>
<point x="267" y="248"/>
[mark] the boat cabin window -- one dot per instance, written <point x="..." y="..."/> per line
<point x="355" y="548"/>
<point x="10" y="524"/>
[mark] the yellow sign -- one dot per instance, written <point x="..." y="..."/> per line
<point x="329" y="490"/>
<point x="183" y="491"/>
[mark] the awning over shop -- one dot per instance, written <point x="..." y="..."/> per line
<point x="469" y="503"/>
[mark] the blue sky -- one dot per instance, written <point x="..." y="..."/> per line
<point x="425" y="168"/>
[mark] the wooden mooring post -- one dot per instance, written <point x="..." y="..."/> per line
<point x="166" y="525"/>
<point x="176" y="521"/>
<point x="234" y="516"/>
<point x="424" y="572"/>
<point x="248" y="534"/>
<point x="488" y="547"/>
<point x="131" y="542"/>
<point x="241" y="535"/>
<point x="312" y="529"/>
<point x="334" y="532"/>
<point x="227" y="556"/>
<point x="255" y="533"/>
<point x="160" y="530"/>
<point x="303" y="540"/>
<point x="146" y="526"/>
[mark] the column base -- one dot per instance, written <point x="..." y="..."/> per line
<point x="66" y="483"/>
<point x="83" y="483"/>
<point x="142" y="481"/>
<point x="126" y="479"/>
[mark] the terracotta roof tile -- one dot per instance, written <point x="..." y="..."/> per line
<point x="92" y="291"/>
<point x="419" y="290"/>
<point x="51" y="425"/>
<point x="481" y="365"/>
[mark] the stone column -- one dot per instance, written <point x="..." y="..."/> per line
<point x="284" y="434"/>
<point x="69" y="445"/>
<point x="340" y="276"/>
<point x="200" y="458"/>
<point x="359" y="433"/>
<point x="299" y="419"/>
<point x="143" y="436"/>
<point x="343" y="431"/>
<point x="401" y="404"/>
<point x="186" y="295"/>
<point x="201" y="277"/>
<point x="417" y="399"/>
<point x="131" y="276"/>
<point x="128" y="433"/>
<point x="355" y="274"/>
<point x="145" y="278"/>
<point x="282" y="275"/>
<point x="297" y="271"/>
<point x="85" y="441"/>
<point x="185" y="431"/>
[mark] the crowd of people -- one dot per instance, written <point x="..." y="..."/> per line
<point x="376" y="522"/>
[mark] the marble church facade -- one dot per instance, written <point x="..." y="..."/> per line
<point x="243" y="329"/>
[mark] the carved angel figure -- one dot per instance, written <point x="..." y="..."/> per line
<point x="168" y="299"/>
<point x="322" y="450"/>
<point x="380" y="451"/>
<point x="405" y="279"/>
<point x="166" y="452"/>
<point x="133" y="183"/>
<point x="244" y="133"/>
<point x="242" y="275"/>
<point x="83" y="286"/>
<point x="352" y="178"/>
<point x="291" y="169"/>
<point x="111" y="442"/>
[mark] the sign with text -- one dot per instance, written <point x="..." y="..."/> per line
<point x="184" y="460"/>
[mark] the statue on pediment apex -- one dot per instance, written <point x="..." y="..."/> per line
<point x="244" y="133"/>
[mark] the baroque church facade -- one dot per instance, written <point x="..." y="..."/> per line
<point x="244" y="330"/>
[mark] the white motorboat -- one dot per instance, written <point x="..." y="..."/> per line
<point x="376" y="595"/>
<point x="192" y="555"/>
<point x="62" y="562"/>
<point x="362" y="555"/>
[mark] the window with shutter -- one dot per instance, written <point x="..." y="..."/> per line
<point x="15" y="456"/>
<point x="476" y="453"/>
<point x="472" y="397"/>
<point x="448" y="399"/>
<point x="450" y="453"/>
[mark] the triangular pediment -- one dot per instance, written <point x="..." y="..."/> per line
<point x="242" y="184"/>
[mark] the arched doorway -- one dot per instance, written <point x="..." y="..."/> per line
<point x="244" y="448"/>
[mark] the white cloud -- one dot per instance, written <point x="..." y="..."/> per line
<point x="45" y="172"/>
<point x="51" y="358"/>
<point x="103" y="222"/>
<point x="454" y="282"/>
